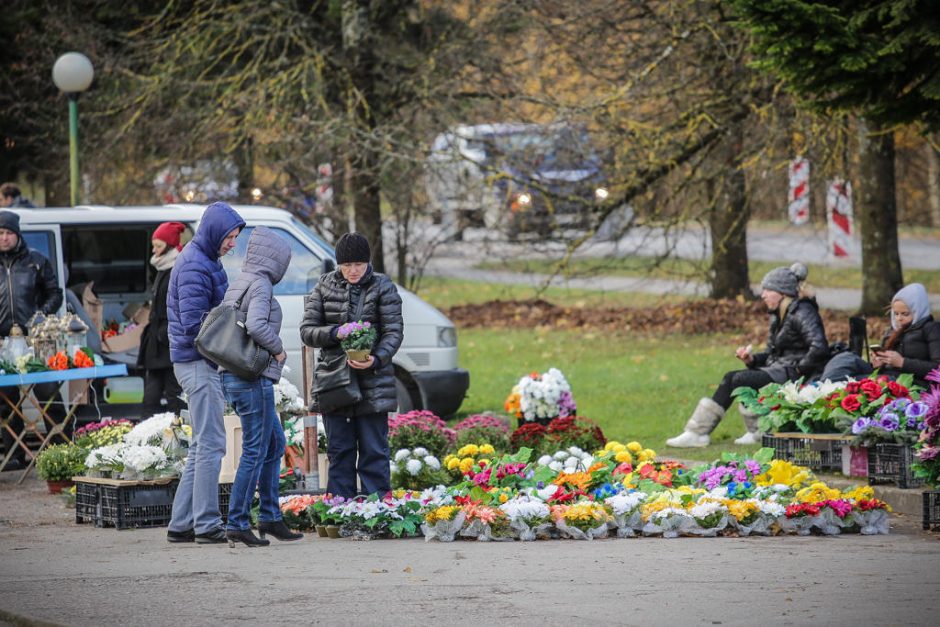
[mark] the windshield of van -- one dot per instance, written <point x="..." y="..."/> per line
<point x="547" y="149"/>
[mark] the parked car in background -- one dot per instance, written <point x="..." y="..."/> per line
<point x="514" y="177"/>
<point x="110" y="246"/>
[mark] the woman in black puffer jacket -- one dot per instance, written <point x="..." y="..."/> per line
<point x="796" y="347"/>
<point x="351" y="293"/>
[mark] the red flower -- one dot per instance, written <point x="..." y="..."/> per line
<point x="622" y="469"/>
<point x="871" y="389"/>
<point x="898" y="390"/>
<point x="852" y="387"/>
<point x="883" y="379"/>
<point x="851" y="403"/>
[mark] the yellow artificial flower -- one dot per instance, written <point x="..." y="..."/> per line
<point x="487" y="449"/>
<point x="649" y="454"/>
<point x="624" y="456"/>
<point x="503" y="497"/>
<point x="468" y="450"/>
<point x="634" y="447"/>
<point x="466" y="465"/>
<point x="452" y="462"/>
<point x="610" y="445"/>
<point x="816" y="492"/>
<point x="741" y="510"/>
<point x="784" y="473"/>
<point x="627" y="481"/>
<point x="860" y="493"/>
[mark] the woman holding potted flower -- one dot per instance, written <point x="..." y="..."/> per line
<point x="354" y="293"/>
<point x="912" y="346"/>
<point x="796" y="347"/>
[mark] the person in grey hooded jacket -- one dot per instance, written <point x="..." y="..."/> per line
<point x="266" y="261"/>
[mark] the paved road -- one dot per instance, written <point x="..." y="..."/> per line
<point x="53" y="570"/>
<point x="457" y="260"/>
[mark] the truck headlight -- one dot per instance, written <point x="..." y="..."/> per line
<point x="521" y="201"/>
<point x="601" y="193"/>
<point x="446" y="337"/>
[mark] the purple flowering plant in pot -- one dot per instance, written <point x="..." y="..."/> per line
<point x="927" y="448"/>
<point x="357" y="339"/>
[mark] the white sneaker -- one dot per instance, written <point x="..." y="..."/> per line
<point x="751" y="437"/>
<point x="687" y="439"/>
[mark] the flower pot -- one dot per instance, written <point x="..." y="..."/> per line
<point x="56" y="487"/>
<point x="321" y="531"/>
<point x="332" y="531"/>
<point x="358" y="355"/>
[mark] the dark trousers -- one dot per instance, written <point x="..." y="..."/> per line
<point x="43" y="393"/>
<point x="161" y="383"/>
<point x="754" y="379"/>
<point x="363" y="437"/>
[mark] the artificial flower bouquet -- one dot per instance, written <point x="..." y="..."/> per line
<point x="443" y="522"/>
<point x="625" y="507"/>
<point x="84" y="358"/>
<point x="297" y="511"/>
<point x="898" y="422"/>
<point x="927" y="449"/>
<point x="469" y="460"/>
<point x="754" y="516"/>
<point x="736" y="473"/>
<point x="583" y="520"/>
<point x="541" y="397"/>
<point x="667" y="518"/>
<point x="357" y="339"/>
<point x="710" y="516"/>
<point x="528" y="516"/>
<point x="871" y="516"/>
<point x="486" y="522"/>
<point x="287" y="398"/>
<point x="415" y="469"/>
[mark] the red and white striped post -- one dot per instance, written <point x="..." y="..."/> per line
<point x="798" y="194"/>
<point x="840" y="216"/>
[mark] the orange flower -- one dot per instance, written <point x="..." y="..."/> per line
<point x="82" y="360"/>
<point x="578" y="480"/>
<point x="59" y="361"/>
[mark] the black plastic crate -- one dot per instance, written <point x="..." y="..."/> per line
<point x="892" y="463"/>
<point x="225" y="497"/>
<point x="814" y="453"/>
<point x="932" y="510"/>
<point x="124" y="506"/>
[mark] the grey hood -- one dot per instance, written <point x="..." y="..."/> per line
<point x="267" y="255"/>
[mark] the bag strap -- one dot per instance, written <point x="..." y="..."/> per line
<point x="238" y="303"/>
<point x="360" y="305"/>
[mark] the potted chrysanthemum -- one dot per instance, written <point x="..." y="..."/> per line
<point x="357" y="339"/>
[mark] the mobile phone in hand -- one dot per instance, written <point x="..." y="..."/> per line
<point x="876" y="348"/>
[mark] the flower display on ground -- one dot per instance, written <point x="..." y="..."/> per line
<point x="415" y="469"/>
<point x="420" y="428"/>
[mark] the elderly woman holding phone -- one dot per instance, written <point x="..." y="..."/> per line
<point x="911" y="346"/>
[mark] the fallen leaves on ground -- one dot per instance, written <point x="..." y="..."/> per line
<point x="747" y="320"/>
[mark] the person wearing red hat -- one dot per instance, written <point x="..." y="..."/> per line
<point x="160" y="383"/>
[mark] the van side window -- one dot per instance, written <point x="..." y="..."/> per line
<point x="42" y="242"/>
<point x="116" y="258"/>
<point x="305" y="267"/>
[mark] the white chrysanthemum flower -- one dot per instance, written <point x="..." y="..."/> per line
<point x="402" y="454"/>
<point x="625" y="502"/>
<point x="547" y="492"/>
<point x="545" y="460"/>
<point x="561" y="455"/>
<point x="150" y="431"/>
<point x="574" y="450"/>
<point x="413" y="466"/>
<point x="420" y="452"/>
<point x="432" y="462"/>
<point x="556" y="466"/>
<point x="704" y="509"/>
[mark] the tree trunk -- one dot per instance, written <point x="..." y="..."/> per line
<point x="364" y="175"/>
<point x="933" y="182"/>
<point x="727" y="222"/>
<point x="877" y="219"/>
<point x="243" y="156"/>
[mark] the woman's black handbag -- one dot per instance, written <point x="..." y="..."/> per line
<point x="224" y="340"/>
<point x="335" y="383"/>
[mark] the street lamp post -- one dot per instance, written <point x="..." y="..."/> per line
<point x="72" y="74"/>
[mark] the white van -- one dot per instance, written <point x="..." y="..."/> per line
<point x="111" y="246"/>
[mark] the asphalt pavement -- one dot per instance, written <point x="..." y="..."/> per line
<point x="54" y="571"/>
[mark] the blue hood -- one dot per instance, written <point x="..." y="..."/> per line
<point x="218" y="221"/>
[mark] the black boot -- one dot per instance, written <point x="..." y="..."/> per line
<point x="246" y="536"/>
<point x="279" y="530"/>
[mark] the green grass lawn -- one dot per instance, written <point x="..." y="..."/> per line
<point x="819" y="275"/>
<point x="636" y="389"/>
<point x="444" y="293"/>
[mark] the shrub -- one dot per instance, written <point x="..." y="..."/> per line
<point x="575" y="431"/>
<point x="61" y="462"/>
<point x="483" y="428"/>
<point x="420" y="428"/>
<point x="531" y="435"/>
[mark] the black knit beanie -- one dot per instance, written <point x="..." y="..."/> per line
<point x="353" y="248"/>
<point x="10" y="221"/>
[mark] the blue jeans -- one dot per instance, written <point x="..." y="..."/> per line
<point x="363" y="437"/>
<point x="263" y="445"/>
<point x="196" y="505"/>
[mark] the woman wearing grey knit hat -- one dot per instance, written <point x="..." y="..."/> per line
<point x="796" y="347"/>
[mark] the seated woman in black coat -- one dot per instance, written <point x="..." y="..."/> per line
<point x="911" y="346"/>
<point x="796" y="347"/>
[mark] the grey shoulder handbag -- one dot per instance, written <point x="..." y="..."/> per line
<point x="224" y="340"/>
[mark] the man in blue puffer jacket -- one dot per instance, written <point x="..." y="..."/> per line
<point x="197" y="284"/>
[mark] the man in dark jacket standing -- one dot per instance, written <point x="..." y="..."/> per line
<point x="197" y="284"/>
<point x="28" y="285"/>
<point x="360" y="430"/>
